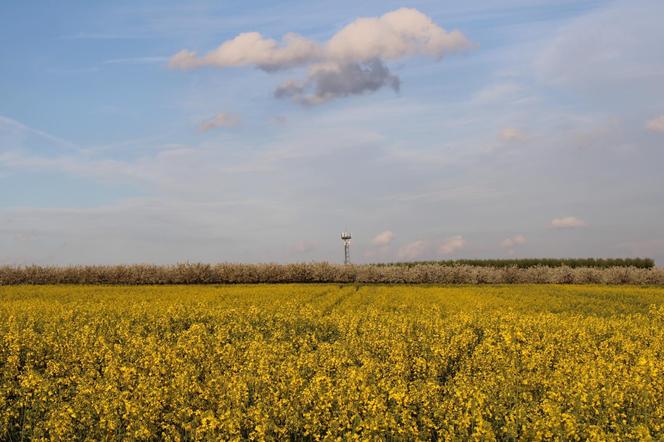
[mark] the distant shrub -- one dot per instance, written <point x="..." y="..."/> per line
<point x="416" y="273"/>
<point x="602" y="263"/>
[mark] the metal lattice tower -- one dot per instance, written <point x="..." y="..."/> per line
<point x="345" y="237"/>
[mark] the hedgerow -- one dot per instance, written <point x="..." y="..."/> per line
<point x="422" y="273"/>
<point x="524" y="263"/>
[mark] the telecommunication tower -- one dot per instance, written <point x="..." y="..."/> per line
<point x="345" y="237"/>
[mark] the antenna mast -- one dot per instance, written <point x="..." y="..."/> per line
<point x="345" y="237"/>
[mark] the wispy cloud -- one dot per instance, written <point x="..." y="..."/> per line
<point x="18" y="126"/>
<point x="593" y="54"/>
<point x="568" y="222"/>
<point x="223" y="119"/>
<point x="102" y="169"/>
<point x="497" y="93"/>
<point x="100" y="36"/>
<point x="469" y="192"/>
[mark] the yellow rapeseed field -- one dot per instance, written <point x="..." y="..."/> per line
<point x="331" y="362"/>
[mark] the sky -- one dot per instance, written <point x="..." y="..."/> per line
<point x="256" y="131"/>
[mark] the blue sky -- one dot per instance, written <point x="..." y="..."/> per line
<point x="536" y="130"/>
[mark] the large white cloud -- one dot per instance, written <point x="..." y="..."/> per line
<point x="351" y="62"/>
<point x="397" y="34"/>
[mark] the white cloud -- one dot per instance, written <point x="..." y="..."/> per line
<point x="223" y="119"/>
<point x="383" y="238"/>
<point x="452" y="245"/>
<point x="304" y="246"/>
<point x="412" y="250"/>
<point x="656" y="124"/>
<point x="351" y="62"/>
<point x="511" y="134"/>
<point x="400" y="33"/>
<point x="568" y="222"/>
<point x="516" y="240"/>
<point x="252" y="49"/>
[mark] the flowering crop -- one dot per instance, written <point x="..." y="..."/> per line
<point x="329" y="362"/>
